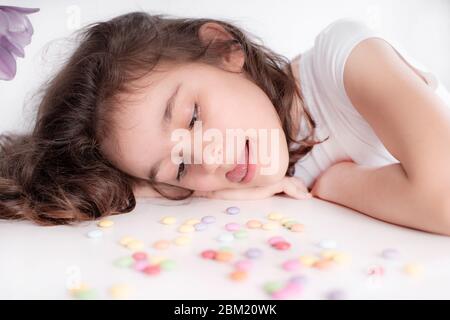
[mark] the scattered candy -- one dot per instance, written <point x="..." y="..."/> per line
<point x="139" y="255"/>
<point x="241" y="234"/>
<point x="95" y="234"/>
<point x="120" y="291"/>
<point x="156" y="259"/>
<point x="273" y="286"/>
<point x="83" y="292"/>
<point x="208" y="219"/>
<point x="323" y="264"/>
<point x="253" y="224"/>
<point x="167" y="265"/>
<point x="168" y="220"/>
<point x="200" y="226"/>
<point x="140" y="265"/>
<point x="390" y="254"/>
<point x="413" y="269"/>
<point x="233" y="210"/>
<point x="335" y="295"/>
<point x="275" y="239"/>
<point x="161" y="244"/>
<point x="308" y="260"/>
<point x="375" y="270"/>
<point x="186" y="228"/>
<point x="270" y="225"/>
<point x="191" y="222"/>
<point x="105" y="223"/>
<point x="291" y="265"/>
<point x="182" y="240"/>
<point x="126" y="240"/>
<point x="298" y="279"/>
<point x="209" y="254"/>
<point x="152" y="270"/>
<point x="238" y="275"/>
<point x="124" y="262"/>
<point x="298" y="227"/>
<point x="135" y="245"/>
<point x="223" y="256"/>
<point x="253" y="253"/>
<point x="243" y="265"/>
<point x="281" y="245"/>
<point x="232" y="226"/>
<point x="274" y="216"/>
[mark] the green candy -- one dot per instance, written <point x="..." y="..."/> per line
<point x="85" y="294"/>
<point x="124" y="262"/>
<point x="167" y="265"/>
<point x="241" y="234"/>
<point x="272" y="286"/>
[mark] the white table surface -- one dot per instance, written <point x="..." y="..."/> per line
<point x="40" y="262"/>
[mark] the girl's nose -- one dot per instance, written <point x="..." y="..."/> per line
<point x="212" y="157"/>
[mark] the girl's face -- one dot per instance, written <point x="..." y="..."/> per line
<point x="145" y="128"/>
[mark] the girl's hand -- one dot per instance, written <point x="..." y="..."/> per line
<point x="291" y="186"/>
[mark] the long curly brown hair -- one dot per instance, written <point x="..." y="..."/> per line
<point x="57" y="173"/>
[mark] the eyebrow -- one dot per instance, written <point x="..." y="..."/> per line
<point x="167" y="118"/>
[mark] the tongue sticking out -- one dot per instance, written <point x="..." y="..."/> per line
<point x="239" y="172"/>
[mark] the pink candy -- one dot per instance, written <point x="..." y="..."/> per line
<point x="243" y="265"/>
<point x="140" y="265"/>
<point x="232" y="226"/>
<point x="274" y="240"/>
<point x="291" y="265"/>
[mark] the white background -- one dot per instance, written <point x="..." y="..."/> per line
<point x="36" y="262"/>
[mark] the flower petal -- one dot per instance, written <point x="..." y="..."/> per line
<point x="7" y="65"/>
<point x="3" y="23"/>
<point x="20" y="9"/>
<point x="11" y="47"/>
<point x="15" y="21"/>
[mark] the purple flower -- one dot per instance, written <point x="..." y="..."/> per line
<point x="15" y="33"/>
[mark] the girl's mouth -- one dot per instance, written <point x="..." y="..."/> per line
<point x="243" y="172"/>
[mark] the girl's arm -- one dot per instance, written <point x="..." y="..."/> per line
<point x="384" y="193"/>
<point x="414" y="125"/>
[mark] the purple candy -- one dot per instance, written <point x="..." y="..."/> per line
<point x="390" y="254"/>
<point x="298" y="279"/>
<point x="253" y="253"/>
<point x="233" y="210"/>
<point x="200" y="226"/>
<point x="208" y="219"/>
<point x="335" y="295"/>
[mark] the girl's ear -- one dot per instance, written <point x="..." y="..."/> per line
<point x="210" y="32"/>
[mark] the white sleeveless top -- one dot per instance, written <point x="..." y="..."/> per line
<point x="321" y="70"/>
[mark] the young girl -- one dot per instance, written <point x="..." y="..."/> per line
<point x="359" y="124"/>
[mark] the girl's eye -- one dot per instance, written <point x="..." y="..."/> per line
<point x="181" y="171"/>
<point x="181" y="167"/>
<point x="194" y="117"/>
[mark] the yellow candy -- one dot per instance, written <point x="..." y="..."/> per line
<point x="191" y="222"/>
<point x="413" y="269"/>
<point x="341" y="258"/>
<point x="135" y="245"/>
<point x="308" y="260"/>
<point x="275" y="216"/>
<point x="161" y="244"/>
<point x="182" y="240"/>
<point x="284" y="220"/>
<point x="270" y="226"/>
<point x="79" y="287"/>
<point x="253" y="224"/>
<point x="168" y="220"/>
<point x="329" y="254"/>
<point x="126" y="240"/>
<point x="120" y="291"/>
<point x="105" y="223"/>
<point x="156" y="259"/>
<point x="186" y="228"/>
